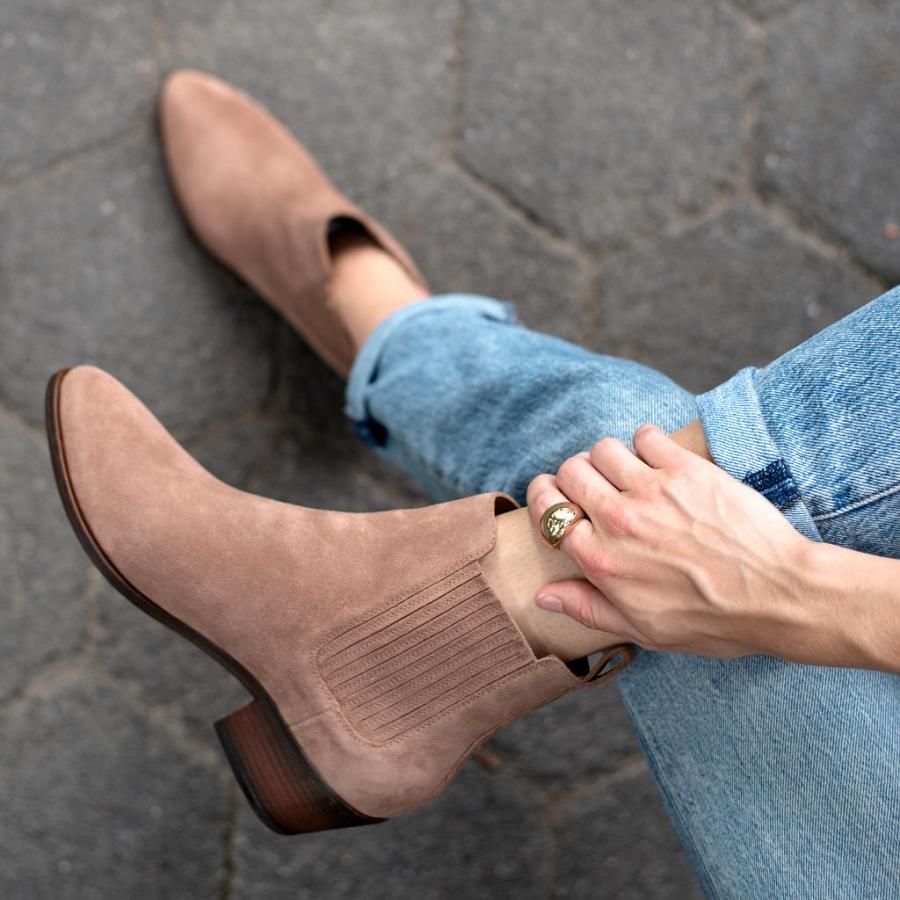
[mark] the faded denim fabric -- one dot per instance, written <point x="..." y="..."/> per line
<point x="782" y="780"/>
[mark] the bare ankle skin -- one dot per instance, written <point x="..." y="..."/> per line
<point x="516" y="567"/>
<point x="520" y="563"/>
<point x="367" y="284"/>
<point x="692" y="438"/>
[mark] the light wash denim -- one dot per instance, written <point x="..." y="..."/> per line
<point x="782" y="780"/>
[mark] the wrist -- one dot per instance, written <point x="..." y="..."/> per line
<point x="840" y="625"/>
<point x="818" y="630"/>
<point x="811" y="562"/>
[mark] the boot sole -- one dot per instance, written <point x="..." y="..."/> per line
<point x="280" y="783"/>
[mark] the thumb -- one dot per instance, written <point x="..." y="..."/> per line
<point x="581" y="601"/>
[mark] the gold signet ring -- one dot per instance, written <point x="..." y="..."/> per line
<point x="558" y="520"/>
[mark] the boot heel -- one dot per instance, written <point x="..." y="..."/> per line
<point x="283" y="788"/>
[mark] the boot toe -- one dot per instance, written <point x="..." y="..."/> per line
<point x="185" y="90"/>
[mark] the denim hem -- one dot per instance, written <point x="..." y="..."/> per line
<point x="365" y="365"/>
<point x="741" y="444"/>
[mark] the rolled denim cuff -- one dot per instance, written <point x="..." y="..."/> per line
<point x="365" y="367"/>
<point x="740" y="443"/>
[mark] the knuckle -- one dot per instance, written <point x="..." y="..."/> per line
<point x="621" y="520"/>
<point x="604" y="447"/>
<point x="644" y="433"/>
<point x="539" y="485"/>
<point x="540" y="492"/>
<point x="569" y="468"/>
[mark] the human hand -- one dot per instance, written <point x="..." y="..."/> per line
<point x="679" y="555"/>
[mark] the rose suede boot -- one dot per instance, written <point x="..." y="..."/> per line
<point x="261" y="205"/>
<point x="377" y="655"/>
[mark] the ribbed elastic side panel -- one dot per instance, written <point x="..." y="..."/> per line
<point x="422" y="655"/>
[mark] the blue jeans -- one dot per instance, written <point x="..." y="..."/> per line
<point x="782" y="780"/>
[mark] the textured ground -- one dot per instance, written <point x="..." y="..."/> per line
<point x="695" y="184"/>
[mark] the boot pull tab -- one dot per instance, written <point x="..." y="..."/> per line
<point x="621" y="656"/>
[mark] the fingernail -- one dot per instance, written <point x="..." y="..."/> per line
<point x="549" y="602"/>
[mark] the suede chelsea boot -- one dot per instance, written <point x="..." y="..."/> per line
<point x="261" y="205"/>
<point x="376" y="653"/>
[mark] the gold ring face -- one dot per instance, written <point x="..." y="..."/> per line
<point x="559" y="520"/>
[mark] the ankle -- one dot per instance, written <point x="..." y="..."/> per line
<point x="692" y="438"/>
<point x="366" y="284"/>
<point x="515" y="568"/>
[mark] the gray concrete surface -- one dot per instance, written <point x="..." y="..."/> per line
<point x="695" y="184"/>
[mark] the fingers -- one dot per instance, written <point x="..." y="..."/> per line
<point x="618" y="464"/>
<point x="581" y="601"/>
<point x="542" y="493"/>
<point x="580" y="481"/>
<point x="657" y="449"/>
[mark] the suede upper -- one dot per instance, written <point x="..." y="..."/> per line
<point x="375" y="634"/>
